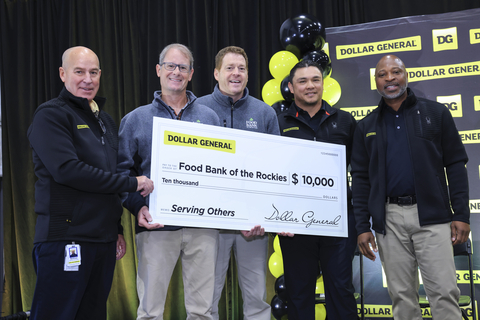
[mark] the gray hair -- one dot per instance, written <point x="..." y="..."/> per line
<point x="180" y="47"/>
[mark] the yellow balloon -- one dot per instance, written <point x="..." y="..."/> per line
<point x="275" y="264"/>
<point x="276" y="244"/>
<point x="320" y="312"/>
<point x="319" y="286"/>
<point x="331" y="91"/>
<point x="271" y="92"/>
<point x="281" y="63"/>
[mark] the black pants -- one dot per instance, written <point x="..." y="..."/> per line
<point x="79" y="295"/>
<point x="301" y="255"/>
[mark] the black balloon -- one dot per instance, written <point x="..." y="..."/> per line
<point x="287" y="95"/>
<point x="322" y="59"/>
<point x="279" y="308"/>
<point x="280" y="288"/>
<point x="281" y="106"/>
<point x="301" y="34"/>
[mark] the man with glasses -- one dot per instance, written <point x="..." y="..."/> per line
<point x="237" y="109"/>
<point x="159" y="246"/>
<point x="78" y="233"/>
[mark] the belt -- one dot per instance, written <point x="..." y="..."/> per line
<point x="402" y="201"/>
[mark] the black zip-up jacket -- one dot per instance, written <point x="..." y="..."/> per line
<point x="77" y="191"/>
<point x="435" y="148"/>
<point x="336" y="127"/>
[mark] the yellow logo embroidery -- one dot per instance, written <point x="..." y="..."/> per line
<point x="371" y="134"/>
<point x="82" y="126"/>
<point x="290" y="129"/>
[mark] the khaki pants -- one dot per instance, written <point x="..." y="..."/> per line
<point x="407" y="246"/>
<point x="158" y="252"/>
<point x="251" y="257"/>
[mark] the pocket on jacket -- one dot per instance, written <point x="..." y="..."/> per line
<point x="444" y="192"/>
<point x="64" y="202"/>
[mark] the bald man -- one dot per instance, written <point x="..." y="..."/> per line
<point x="401" y="152"/>
<point x="78" y="234"/>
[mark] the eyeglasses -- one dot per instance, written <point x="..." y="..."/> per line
<point x="170" y="66"/>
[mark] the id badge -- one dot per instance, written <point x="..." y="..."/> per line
<point x="72" y="257"/>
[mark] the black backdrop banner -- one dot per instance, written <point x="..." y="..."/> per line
<point x="441" y="54"/>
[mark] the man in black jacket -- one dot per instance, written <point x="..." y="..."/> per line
<point x="401" y="153"/>
<point x="311" y="118"/>
<point x="78" y="233"/>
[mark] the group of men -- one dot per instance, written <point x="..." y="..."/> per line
<point x="399" y="155"/>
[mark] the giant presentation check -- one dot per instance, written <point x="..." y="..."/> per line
<point x="223" y="178"/>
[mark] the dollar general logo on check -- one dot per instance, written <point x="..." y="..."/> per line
<point x="186" y="140"/>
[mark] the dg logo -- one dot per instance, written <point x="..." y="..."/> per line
<point x="453" y="103"/>
<point x="444" y="39"/>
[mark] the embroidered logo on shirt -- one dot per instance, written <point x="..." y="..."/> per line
<point x="290" y="129"/>
<point x="334" y="125"/>
<point x="251" y="124"/>
<point x="82" y="126"/>
<point x="371" y="134"/>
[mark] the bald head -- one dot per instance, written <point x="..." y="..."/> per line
<point x="72" y="54"/>
<point x="391" y="79"/>
<point x="389" y="59"/>
<point x="80" y="72"/>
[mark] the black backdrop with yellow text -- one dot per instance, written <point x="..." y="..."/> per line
<point x="127" y="35"/>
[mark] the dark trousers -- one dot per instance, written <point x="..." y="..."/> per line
<point x="301" y="257"/>
<point x="82" y="294"/>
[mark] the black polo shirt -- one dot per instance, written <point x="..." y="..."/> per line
<point x="399" y="166"/>
<point x="313" y="122"/>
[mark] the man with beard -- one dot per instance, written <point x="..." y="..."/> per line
<point x="312" y="118"/>
<point x="401" y="152"/>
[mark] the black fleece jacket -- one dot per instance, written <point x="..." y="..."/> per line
<point x="436" y="150"/>
<point x="77" y="191"/>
